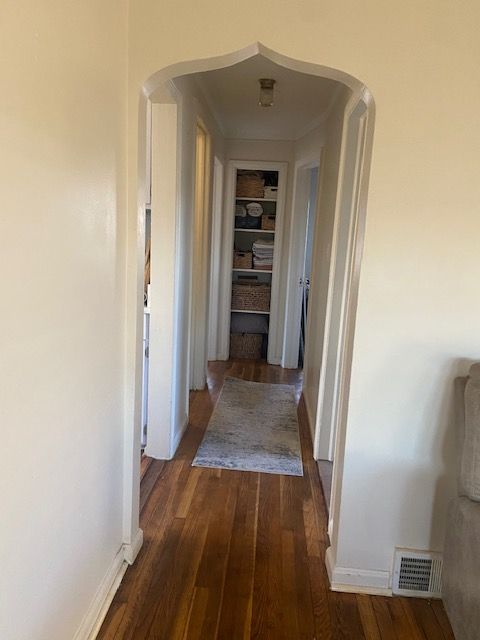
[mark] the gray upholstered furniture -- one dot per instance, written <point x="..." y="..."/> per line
<point x="461" y="576"/>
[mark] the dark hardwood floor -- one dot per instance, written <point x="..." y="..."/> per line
<point x="236" y="555"/>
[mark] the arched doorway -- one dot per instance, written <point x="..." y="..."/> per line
<point x="328" y="417"/>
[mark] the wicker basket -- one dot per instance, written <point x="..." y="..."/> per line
<point x="246" y="345"/>
<point x="250" y="184"/>
<point x="268" y="222"/>
<point x="251" y="296"/>
<point x="242" y="259"/>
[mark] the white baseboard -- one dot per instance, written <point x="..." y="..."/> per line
<point x="92" y="621"/>
<point x="375" y="583"/>
<point x="130" y="551"/>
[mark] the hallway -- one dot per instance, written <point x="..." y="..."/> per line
<point x="230" y="554"/>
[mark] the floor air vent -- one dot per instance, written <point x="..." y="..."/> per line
<point x="417" y="574"/>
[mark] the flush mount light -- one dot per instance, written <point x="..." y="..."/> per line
<point x="266" y="92"/>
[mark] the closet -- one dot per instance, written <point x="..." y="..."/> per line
<point x="255" y="204"/>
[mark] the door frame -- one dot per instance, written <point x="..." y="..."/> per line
<point x="153" y="89"/>
<point x="296" y="251"/>
<point x="332" y="409"/>
<point x="200" y="271"/>
<point x="274" y="336"/>
<point x="216" y="257"/>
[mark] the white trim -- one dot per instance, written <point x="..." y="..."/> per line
<point x="95" y="615"/>
<point x="319" y="449"/>
<point x="215" y="258"/>
<point x="200" y="251"/>
<point x="296" y="256"/>
<point x="275" y="337"/>
<point x="164" y="277"/>
<point x="131" y="550"/>
<point x="349" y="320"/>
<point x="349" y="580"/>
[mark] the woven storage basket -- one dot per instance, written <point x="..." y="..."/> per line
<point x="246" y="345"/>
<point x="250" y="185"/>
<point x="251" y="296"/>
<point x="242" y="259"/>
<point x="268" y="222"/>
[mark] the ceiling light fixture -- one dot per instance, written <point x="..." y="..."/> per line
<point x="266" y="92"/>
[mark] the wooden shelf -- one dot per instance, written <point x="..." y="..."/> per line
<point x="263" y="313"/>
<point x="254" y="230"/>
<point x="253" y="270"/>
<point x="257" y="199"/>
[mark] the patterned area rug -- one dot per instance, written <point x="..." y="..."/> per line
<point x="253" y="427"/>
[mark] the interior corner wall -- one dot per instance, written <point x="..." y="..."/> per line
<point x="63" y="120"/>
<point x="308" y="148"/>
<point x="265" y="151"/>
<point x="321" y="275"/>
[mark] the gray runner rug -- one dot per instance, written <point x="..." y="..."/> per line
<point x="254" y="427"/>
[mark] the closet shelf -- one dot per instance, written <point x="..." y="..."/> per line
<point x="263" y="313"/>
<point x="258" y="199"/>
<point x="254" y="230"/>
<point x="253" y="270"/>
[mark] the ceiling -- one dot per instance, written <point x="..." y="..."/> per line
<point x="300" y="100"/>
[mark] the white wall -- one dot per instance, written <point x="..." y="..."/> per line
<point x="162" y="437"/>
<point x="321" y="267"/>
<point x="62" y="248"/>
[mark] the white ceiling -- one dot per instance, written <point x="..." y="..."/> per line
<point x="300" y="100"/>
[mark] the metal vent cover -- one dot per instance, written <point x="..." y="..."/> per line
<point x="417" y="573"/>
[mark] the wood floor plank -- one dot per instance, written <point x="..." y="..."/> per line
<point x="441" y="615"/>
<point x="346" y="621"/>
<point x="231" y="555"/>
<point x="152" y="473"/>
<point x="236" y="610"/>
<point x="426" y="619"/>
<point x="384" y="619"/>
<point x="267" y="615"/>
<point x="403" y="625"/>
<point x="320" y="602"/>
<point x="368" y="617"/>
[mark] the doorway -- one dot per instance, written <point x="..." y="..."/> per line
<point x="302" y="234"/>
<point x="177" y="417"/>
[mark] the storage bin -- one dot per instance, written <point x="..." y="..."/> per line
<point x="250" y="184"/>
<point x="268" y="222"/>
<point x="251" y="296"/>
<point x="242" y="259"/>
<point x="243" y="219"/>
<point x="247" y="222"/>
<point x="271" y="193"/>
<point x="246" y="345"/>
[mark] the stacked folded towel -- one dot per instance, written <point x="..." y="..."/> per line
<point x="262" y="254"/>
